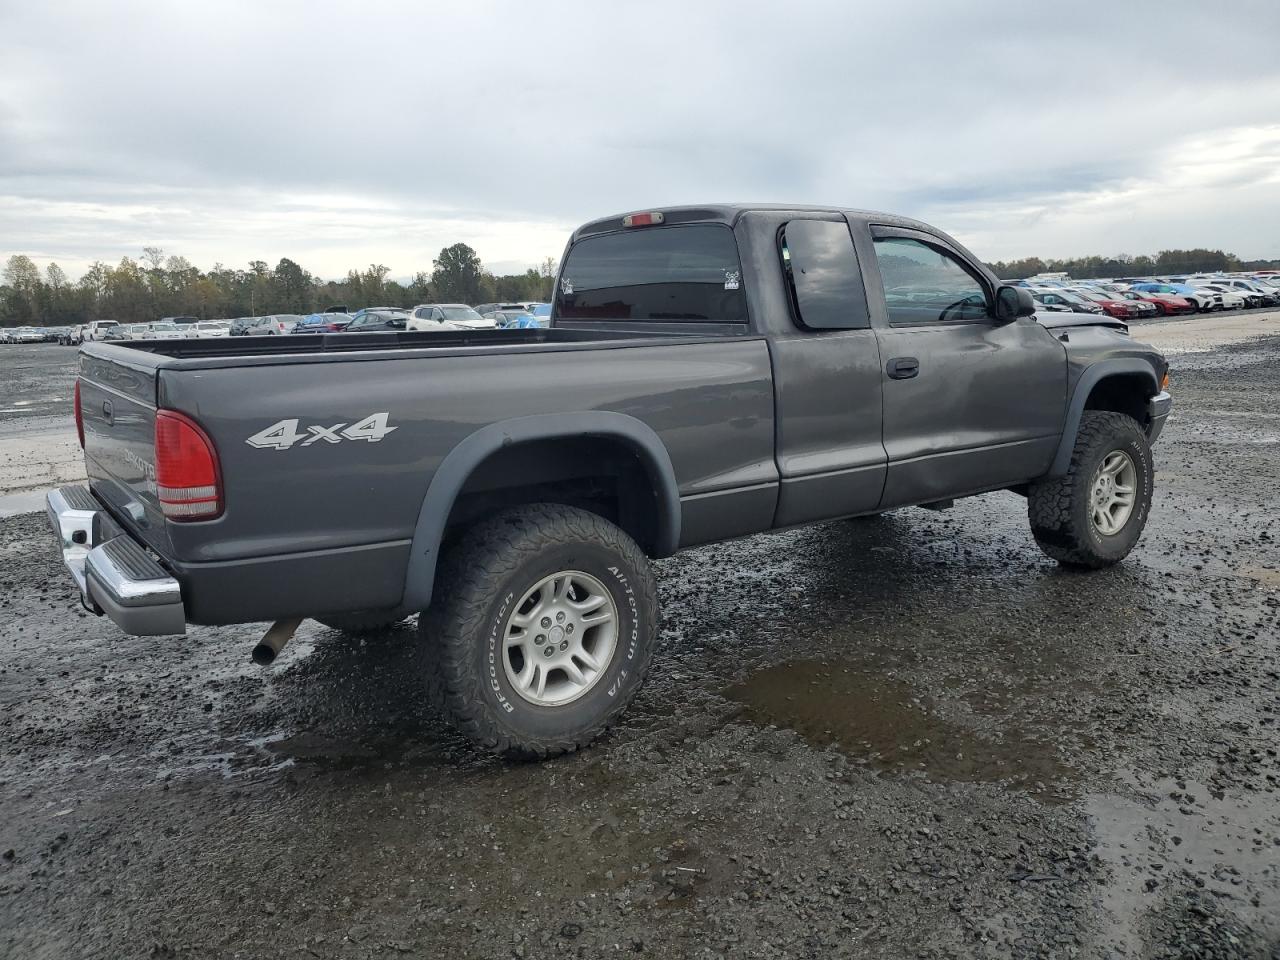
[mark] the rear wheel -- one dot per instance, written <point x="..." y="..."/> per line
<point x="1093" y="516"/>
<point x="541" y="630"/>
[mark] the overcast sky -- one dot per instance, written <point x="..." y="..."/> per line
<point x="340" y="134"/>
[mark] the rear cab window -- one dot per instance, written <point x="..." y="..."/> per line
<point x="823" y="277"/>
<point x="656" y="274"/>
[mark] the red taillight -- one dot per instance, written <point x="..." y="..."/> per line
<point x="642" y="219"/>
<point x="79" y="415"/>
<point x="187" y="479"/>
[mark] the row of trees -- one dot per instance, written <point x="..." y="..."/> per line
<point x="156" y="285"/>
<point x="1166" y="262"/>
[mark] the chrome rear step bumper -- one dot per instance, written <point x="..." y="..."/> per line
<point x="116" y="576"/>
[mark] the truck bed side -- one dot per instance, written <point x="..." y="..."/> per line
<point x="302" y="495"/>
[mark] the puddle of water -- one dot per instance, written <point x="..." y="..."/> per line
<point x="889" y="725"/>
<point x="1263" y="575"/>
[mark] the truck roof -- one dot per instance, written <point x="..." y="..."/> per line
<point x="728" y="214"/>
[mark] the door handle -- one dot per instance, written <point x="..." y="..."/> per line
<point x="903" y="368"/>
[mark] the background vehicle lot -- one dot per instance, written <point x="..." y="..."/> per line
<point x="866" y="737"/>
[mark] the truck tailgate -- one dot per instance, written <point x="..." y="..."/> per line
<point x="118" y="406"/>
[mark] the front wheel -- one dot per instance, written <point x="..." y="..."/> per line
<point x="541" y="629"/>
<point x="1093" y="516"/>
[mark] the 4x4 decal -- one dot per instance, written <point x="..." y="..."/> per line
<point x="284" y="434"/>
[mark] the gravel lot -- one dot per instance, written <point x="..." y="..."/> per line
<point x="910" y="736"/>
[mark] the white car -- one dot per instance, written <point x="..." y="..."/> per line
<point x="94" y="329"/>
<point x="447" y="316"/>
<point x="26" y="335"/>
<point x="279" y="323"/>
<point x="1222" y="294"/>
<point x="137" y="331"/>
<point x="163" y="330"/>
<point x="210" y="328"/>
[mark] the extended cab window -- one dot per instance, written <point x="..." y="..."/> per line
<point x="654" y="273"/>
<point x="923" y="284"/>
<point x="822" y="271"/>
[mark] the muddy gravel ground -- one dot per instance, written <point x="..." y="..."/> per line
<point x="911" y="736"/>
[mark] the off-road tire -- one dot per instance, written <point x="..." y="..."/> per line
<point x="362" y="621"/>
<point x="1060" y="511"/>
<point x="463" y="631"/>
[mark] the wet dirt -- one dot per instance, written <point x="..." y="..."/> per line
<point x="911" y="736"/>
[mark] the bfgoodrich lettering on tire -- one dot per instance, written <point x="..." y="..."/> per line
<point x="541" y="630"/>
<point x="1093" y="516"/>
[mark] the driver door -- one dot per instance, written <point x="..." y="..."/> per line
<point x="970" y="403"/>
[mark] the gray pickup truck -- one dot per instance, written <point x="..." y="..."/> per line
<point x="709" y="372"/>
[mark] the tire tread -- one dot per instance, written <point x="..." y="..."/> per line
<point x="487" y="556"/>
<point x="1051" y="504"/>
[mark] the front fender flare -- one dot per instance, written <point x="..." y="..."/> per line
<point x="457" y="466"/>
<point x="1092" y="375"/>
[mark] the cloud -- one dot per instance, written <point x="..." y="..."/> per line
<point x="341" y="135"/>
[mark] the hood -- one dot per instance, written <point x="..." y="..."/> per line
<point x="1055" y="321"/>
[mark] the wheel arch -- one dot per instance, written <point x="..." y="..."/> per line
<point x="468" y="457"/>
<point x="1111" y="383"/>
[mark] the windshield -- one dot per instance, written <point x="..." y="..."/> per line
<point x="460" y="313"/>
<point x="163" y="327"/>
<point x="208" y="326"/>
<point x="1090" y="295"/>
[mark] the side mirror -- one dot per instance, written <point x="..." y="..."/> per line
<point x="1014" y="302"/>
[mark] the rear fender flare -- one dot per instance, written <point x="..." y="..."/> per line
<point x="1092" y="376"/>
<point x="452" y="474"/>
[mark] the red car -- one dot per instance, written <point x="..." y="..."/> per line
<point x="1111" y="307"/>
<point x="1168" y="304"/>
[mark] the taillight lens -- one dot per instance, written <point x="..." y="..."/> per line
<point x="187" y="479"/>
<point x="79" y="414"/>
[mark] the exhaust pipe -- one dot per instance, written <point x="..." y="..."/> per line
<point x="273" y="641"/>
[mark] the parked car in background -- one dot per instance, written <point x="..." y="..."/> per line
<point x="1224" y="298"/>
<point x="23" y="335"/>
<point x="379" y="320"/>
<point x="1140" y="309"/>
<point x="542" y="313"/>
<point x="1204" y="300"/>
<point x="1165" y="304"/>
<point x="240" y="326"/>
<point x="163" y="330"/>
<point x="1120" y="309"/>
<point x="185" y="325"/>
<point x="94" y="329"/>
<point x="1060" y="297"/>
<point x="322" y="323"/>
<point x="277" y="323"/>
<point x="1254" y="295"/>
<point x="448" y="316"/>
<point x="72" y="336"/>
<point x="511" y="315"/>
<point x="208" y="329"/>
